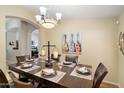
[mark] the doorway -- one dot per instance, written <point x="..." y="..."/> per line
<point x="35" y="43"/>
<point x="21" y="39"/>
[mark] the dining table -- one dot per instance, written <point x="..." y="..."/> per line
<point x="67" y="76"/>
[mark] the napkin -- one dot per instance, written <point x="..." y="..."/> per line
<point x="83" y="69"/>
<point x="48" y="71"/>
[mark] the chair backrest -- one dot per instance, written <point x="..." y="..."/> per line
<point x="27" y="57"/>
<point x="99" y="75"/>
<point x="57" y="59"/>
<point x="71" y="58"/>
<point x="3" y="80"/>
<point x="22" y="58"/>
<point x="19" y="84"/>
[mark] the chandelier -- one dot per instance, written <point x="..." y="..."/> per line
<point x="46" y="22"/>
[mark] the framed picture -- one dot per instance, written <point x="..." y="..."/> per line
<point x="71" y="43"/>
<point x="121" y="42"/>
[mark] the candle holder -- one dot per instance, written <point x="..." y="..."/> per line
<point x="48" y="61"/>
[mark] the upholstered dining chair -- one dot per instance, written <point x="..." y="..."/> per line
<point x="3" y="80"/>
<point x="71" y="58"/>
<point x="99" y="75"/>
<point x="20" y="84"/>
<point x="23" y="59"/>
<point x="20" y="59"/>
<point x="56" y="59"/>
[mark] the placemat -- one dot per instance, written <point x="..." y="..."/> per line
<point x="29" y="69"/>
<point x="74" y="73"/>
<point x="55" y="79"/>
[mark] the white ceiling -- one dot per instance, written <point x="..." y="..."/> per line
<point x="80" y="11"/>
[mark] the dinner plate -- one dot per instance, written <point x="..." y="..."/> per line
<point x="86" y="72"/>
<point x="26" y="66"/>
<point x="30" y="60"/>
<point x="67" y="63"/>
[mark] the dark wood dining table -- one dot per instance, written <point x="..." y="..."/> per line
<point x="68" y="81"/>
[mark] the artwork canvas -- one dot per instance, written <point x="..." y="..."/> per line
<point x="71" y="43"/>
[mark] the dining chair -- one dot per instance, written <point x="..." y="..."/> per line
<point x="20" y="59"/>
<point x="99" y="75"/>
<point x="18" y="83"/>
<point x="71" y="58"/>
<point x="27" y="57"/>
<point x="56" y="59"/>
<point x="3" y="80"/>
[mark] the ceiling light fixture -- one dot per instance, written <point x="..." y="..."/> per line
<point x="46" y="22"/>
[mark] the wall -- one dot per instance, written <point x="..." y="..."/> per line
<point x="12" y="30"/>
<point x="99" y="41"/>
<point x="10" y="52"/>
<point x="120" y="56"/>
<point x="17" y="11"/>
<point x="25" y="38"/>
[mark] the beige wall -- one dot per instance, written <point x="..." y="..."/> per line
<point x="99" y="41"/>
<point x="120" y="56"/>
<point x="16" y="11"/>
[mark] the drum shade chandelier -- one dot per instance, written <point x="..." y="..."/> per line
<point x="46" y="22"/>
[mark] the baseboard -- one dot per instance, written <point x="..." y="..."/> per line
<point x="117" y="84"/>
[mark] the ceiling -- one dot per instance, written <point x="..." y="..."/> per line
<point x="79" y="11"/>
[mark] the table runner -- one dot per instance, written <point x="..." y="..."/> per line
<point x="74" y="73"/>
<point x="55" y="79"/>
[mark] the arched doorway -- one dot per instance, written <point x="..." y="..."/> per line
<point x="19" y="38"/>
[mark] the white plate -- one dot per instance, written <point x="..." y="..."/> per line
<point x="26" y="65"/>
<point x="30" y="60"/>
<point x="67" y="63"/>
